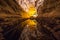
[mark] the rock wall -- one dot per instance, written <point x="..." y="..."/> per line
<point x="48" y="20"/>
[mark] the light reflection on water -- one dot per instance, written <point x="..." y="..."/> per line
<point x="29" y="23"/>
<point x="30" y="30"/>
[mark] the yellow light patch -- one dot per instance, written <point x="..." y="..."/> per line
<point x="31" y="23"/>
<point x="29" y="13"/>
<point x="24" y="15"/>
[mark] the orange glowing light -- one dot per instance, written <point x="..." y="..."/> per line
<point x="29" y="23"/>
<point x="30" y="13"/>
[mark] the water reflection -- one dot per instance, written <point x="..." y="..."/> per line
<point x="29" y="30"/>
<point x="29" y="23"/>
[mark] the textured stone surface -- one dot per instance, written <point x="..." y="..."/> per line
<point x="48" y="20"/>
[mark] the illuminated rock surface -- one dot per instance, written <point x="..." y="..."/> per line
<point x="48" y="21"/>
